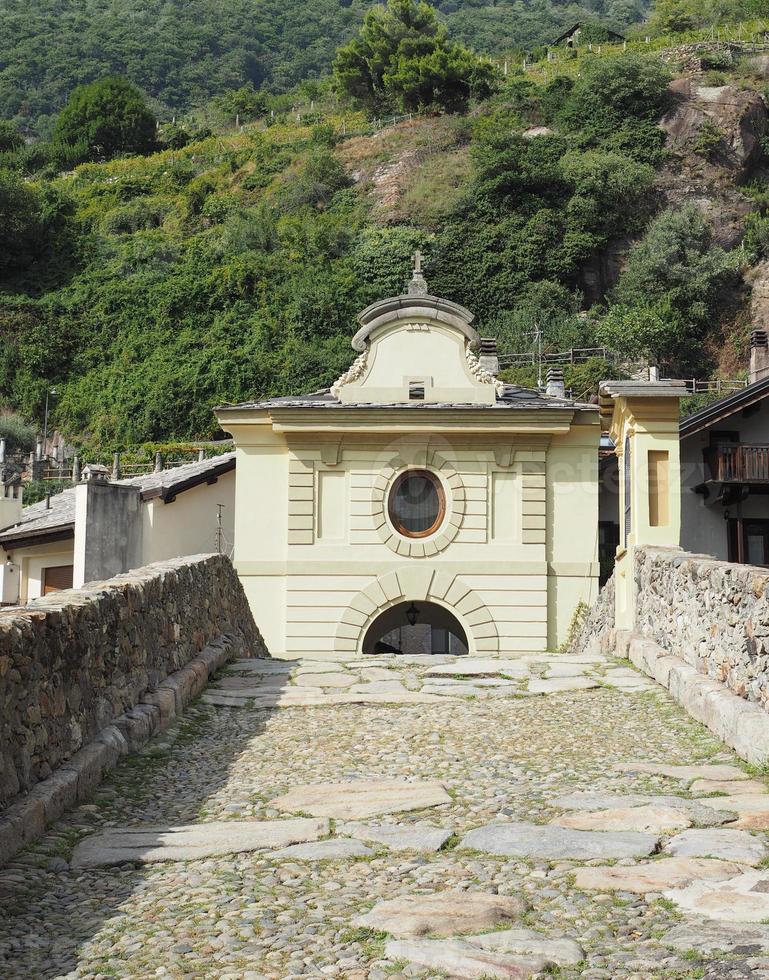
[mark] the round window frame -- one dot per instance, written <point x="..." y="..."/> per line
<point x="440" y="491"/>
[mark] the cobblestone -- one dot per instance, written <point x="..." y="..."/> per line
<point x="264" y="916"/>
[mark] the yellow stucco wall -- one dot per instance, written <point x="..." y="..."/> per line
<point x="319" y="559"/>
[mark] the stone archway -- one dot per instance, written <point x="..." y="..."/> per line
<point x="418" y="584"/>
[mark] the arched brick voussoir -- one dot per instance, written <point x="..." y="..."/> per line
<point x="418" y="583"/>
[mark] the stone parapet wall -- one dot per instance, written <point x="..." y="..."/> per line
<point x="598" y="621"/>
<point x="74" y="662"/>
<point x="713" y="615"/>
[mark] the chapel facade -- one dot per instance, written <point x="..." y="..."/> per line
<point x="418" y="492"/>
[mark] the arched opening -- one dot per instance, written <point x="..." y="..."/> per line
<point x="415" y="628"/>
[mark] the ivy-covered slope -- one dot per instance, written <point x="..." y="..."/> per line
<point x="147" y="290"/>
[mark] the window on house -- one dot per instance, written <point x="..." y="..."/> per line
<point x="416" y="390"/>
<point x="659" y="488"/>
<point x="748" y="541"/>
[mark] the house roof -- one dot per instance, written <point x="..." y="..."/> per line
<point x="724" y="407"/>
<point x="44" y="522"/>
<point x="608" y="391"/>
<point x="512" y="397"/>
<point x="575" y="27"/>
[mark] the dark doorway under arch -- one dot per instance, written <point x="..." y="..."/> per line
<point x="415" y="628"/>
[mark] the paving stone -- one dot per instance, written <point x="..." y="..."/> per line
<point x="319" y="667"/>
<point x="729" y="787"/>
<point x="645" y="819"/>
<point x="265" y="681"/>
<point x="324" y="850"/>
<point x="146" y="845"/>
<point x="527" y="840"/>
<point x="362" y="798"/>
<point x="592" y="800"/>
<point x="684" y="773"/>
<point x="555" y="685"/>
<point x="705" y="936"/>
<point x="444" y="913"/>
<point x="741" y="899"/>
<point x="377" y="688"/>
<point x="566" y="670"/>
<point x="562" y="952"/>
<point x="654" y="876"/>
<point x="455" y="958"/>
<point x="474" y="682"/>
<point x="752" y="809"/>
<point x="379" y="674"/>
<point x="398" y="837"/>
<point x="257" y="666"/>
<point x="326" y="679"/>
<point x="479" y="667"/>
<point x="729" y="845"/>
<point x="469" y="690"/>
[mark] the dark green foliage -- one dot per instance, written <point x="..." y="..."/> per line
<point x="10" y="137"/>
<point x="670" y="291"/>
<point x="36" y="233"/>
<point x="402" y="60"/>
<point x="671" y="16"/>
<point x="619" y="99"/>
<point x="107" y="117"/>
<point x="37" y="490"/>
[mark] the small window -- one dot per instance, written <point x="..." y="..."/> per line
<point x="417" y="504"/>
<point x="416" y="390"/>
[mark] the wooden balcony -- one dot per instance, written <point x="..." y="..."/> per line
<point x="739" y="463"/>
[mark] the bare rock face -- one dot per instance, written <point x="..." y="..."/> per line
<point x="740" y="116"/>
<point x="709" y="182"/>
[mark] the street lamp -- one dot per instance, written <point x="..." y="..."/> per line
<point x="48" y="391"/>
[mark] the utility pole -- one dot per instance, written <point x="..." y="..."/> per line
<point x="219" y="528"/>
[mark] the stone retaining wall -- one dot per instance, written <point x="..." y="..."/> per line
<point x="75" y="662"/>
<point x="598" y="620"/>
<point x="712" y="614"/>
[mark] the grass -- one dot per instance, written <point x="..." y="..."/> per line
<point x="371" y="941"/>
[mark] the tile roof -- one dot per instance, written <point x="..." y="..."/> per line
<point x="37" y="520"/>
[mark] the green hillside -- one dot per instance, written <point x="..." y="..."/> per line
<point x="149" y="288"/>
<point x="183" y="53"/>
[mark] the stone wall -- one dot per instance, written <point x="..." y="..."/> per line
<point x="714" y="615"/>
<point x="73" y="662"/>
<point x="597" y="622"/>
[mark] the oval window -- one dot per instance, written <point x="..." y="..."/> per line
<point x="417" y="503"/>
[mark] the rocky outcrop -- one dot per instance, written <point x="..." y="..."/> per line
<point x="739" y="116"/>
<point x="75" y="661"/>
<point x="715" y="138"/>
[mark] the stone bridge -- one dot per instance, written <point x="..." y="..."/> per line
<point x="406" y="817"/>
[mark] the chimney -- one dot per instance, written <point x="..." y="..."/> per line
<point x="488" y="355"/>
<point x="555" y="385"/>
<point x="76" y="470"/>
<point x="759" y="356"/>
<point x="95" y="473"/>
<point x="116" y="466"/>
<point x="10" y="504"/>
<point x="158" y="462"/>
<point x="654" y="372"/>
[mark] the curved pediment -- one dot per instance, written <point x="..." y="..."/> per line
<point x="416" y="347"/>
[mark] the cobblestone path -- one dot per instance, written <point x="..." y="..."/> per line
<point x="511" y="833"/>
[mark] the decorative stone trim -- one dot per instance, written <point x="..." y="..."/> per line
<point x="480" y="373"/>
<point x="455" y="507"/>
<point x="418" y="583"/>
<point x="355" y="371"/>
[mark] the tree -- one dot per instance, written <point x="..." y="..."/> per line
<point x="402" y="59"/>
<point x="10" y="137"/>
<point x="108" y="117"/>
<point x="670" y="290"/>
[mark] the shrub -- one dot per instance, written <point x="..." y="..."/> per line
<point x="19" y="434"/>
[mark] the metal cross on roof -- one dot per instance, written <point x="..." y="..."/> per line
<point x="417" y="260"/>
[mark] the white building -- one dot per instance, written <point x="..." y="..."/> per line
<point x="101" y="528"/>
